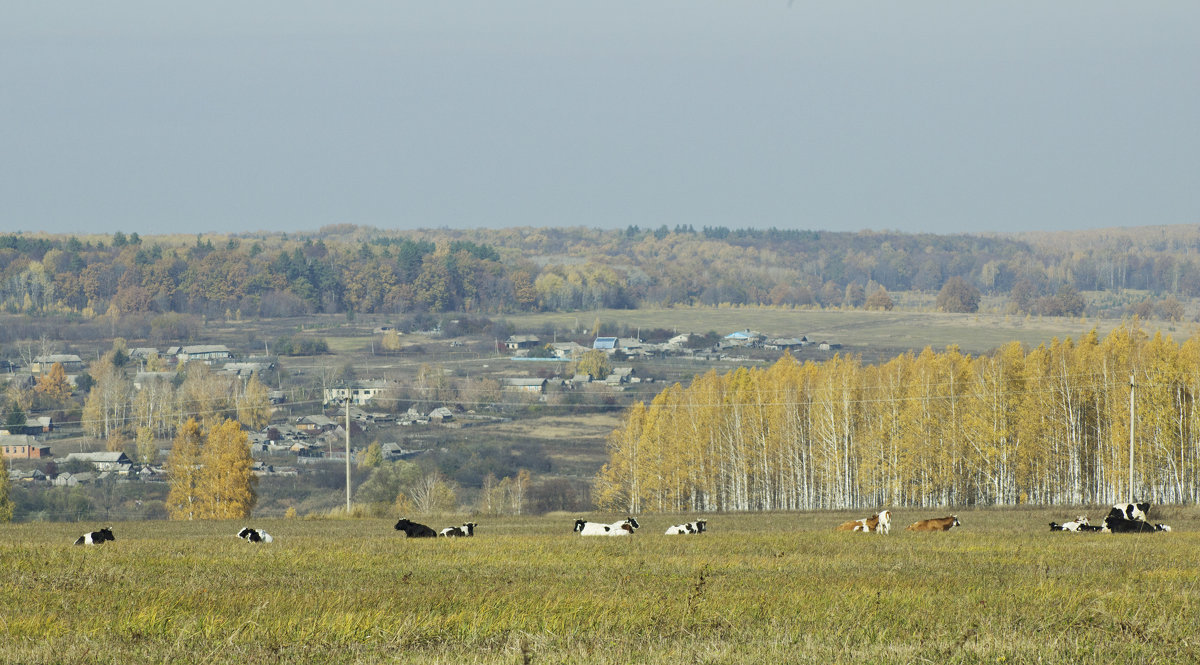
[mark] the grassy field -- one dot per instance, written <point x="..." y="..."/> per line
<point x="779" y="587"/>
<point x="859" y="331"/>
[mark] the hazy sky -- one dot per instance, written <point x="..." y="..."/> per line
<point x="156" y="117"/>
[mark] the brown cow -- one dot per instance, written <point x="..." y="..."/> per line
<point x="879" y="523"/>
<point x="939" y="524"/>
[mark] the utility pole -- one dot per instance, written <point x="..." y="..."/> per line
<point x="1132" y="386"/>
<point x="347" y="450"/>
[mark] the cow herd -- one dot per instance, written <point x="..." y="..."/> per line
<point x="1123" y="518"/>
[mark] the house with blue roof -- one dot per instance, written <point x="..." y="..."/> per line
<point x="605" y="343"/>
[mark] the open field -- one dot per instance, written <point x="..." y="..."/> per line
<point x="778" y="587"/>
<point x="858" y="330"/>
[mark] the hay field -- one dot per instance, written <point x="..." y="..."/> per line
<point x="778" y="587"/>
<point x="858" y="331"/>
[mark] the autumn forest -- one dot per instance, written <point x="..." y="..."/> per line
<point x="1047" y="426"/>
<point x="365" y="270"/>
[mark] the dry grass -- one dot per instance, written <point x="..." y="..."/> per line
<point x="857" y="330"/>
<point x="776" y="587"/>
<point x="592" y="426"/>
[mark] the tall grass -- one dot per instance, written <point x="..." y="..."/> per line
<point x="757" y="588"/>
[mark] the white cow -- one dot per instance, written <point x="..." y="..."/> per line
<point x="691" y="527"/>
<point x="623" y="528"/>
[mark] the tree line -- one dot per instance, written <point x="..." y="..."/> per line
<point x="354" y="269"/>
<point x="1044" y="426"/>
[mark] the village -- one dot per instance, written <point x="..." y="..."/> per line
<point x="46" y="451"/>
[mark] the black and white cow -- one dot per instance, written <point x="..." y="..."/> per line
<point x="691" y="527"/>
<point x="96" y="537"/>
<point x="251" y="535"/>
<point x="414" y="530"/>
<point x="465" y="531"/>
<point x="1076" y="525"/>
<point x="1121" y="525"/>
<point x="623" y="528"/>
<point x="1130" y="511"/>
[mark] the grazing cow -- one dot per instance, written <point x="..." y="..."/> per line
<point x="1122" y="525"/>
<point x="1130" y="511"/>
<point x="255" y="535"/>
<point x="623" y="528"/>
<point x="414" y="530"/>
<point x="691" y="527"/>
<point x="464" y="531"/>
<point x="878" y="523"/>
<point x="95" y="537"/>
<point x="1076" y="525"/>
<point x="937" y="524"/>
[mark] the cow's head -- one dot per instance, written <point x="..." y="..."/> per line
<point x="579" y="524"/>
<point x="633" y="523"/>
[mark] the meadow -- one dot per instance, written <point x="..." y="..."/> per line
<point x="775" y="587"/>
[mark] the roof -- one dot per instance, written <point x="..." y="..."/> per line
<point x="111" y="458"/>
<point x="197" y="349"/>
<point x="58" y="358"/>
<point x="524" y="382"/>
<point x="605" y="343"/>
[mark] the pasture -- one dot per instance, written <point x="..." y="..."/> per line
<point x="778" y="587"/>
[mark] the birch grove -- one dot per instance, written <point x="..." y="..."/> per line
<point x="1044" y="426"/>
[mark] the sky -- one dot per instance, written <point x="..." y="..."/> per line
<point x="939" y="117"/>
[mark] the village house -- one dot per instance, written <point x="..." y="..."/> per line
<point x="141" y="353"/>
<point x="359" y="394"/>
<point x="103" y="461"/>
<point x="208" y="353"/>
<point x="606" y="344"/>
<point x="567" y="350"/>
<point x="315" y="424"/>
<point x="518" y="342"/>
<point x="521" y="384"/>
<point x="71" y="363"/>
<point x="22" y="446"/>
<point x="786" y="343"/>
<point x="745" y="337"/>
<point x="143" y="379"/>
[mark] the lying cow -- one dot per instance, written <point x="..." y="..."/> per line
<point x="1122" y="525"/>
<point x="878" y="523"/>
<point x="255" y="535"/>
<point x="623" y="528"/>
<point x="465" y="531"/>
<point x="690" y="527"/>
<point x="1076" y="525"/>
<point x="415" y="530"/>
<point x="96" y="537"/>
<point x="937" y="524"/>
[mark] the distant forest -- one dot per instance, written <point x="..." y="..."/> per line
<point x="356" y="269"/>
